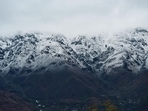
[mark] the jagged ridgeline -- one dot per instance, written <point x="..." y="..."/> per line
<point x="62" y="72"/>
<point x="25" y="53"/>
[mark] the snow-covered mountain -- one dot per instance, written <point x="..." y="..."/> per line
<point x="33" y="51"/>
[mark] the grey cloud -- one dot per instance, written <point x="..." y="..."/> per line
<point x="72" y="17"/>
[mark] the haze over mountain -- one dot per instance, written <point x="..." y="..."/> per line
<point x="73" y="17"/>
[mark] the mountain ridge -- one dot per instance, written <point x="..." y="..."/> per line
<point x="36" y="50"/>
<point x="57" y="71"/>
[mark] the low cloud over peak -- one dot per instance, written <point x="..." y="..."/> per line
<point x="72" y="17"/>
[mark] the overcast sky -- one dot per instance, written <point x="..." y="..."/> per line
<point x="72" y="17"/>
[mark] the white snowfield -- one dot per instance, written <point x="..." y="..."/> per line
<point x="32" y="51"/>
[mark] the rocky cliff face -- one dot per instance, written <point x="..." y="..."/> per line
<point x="32" y="51"/>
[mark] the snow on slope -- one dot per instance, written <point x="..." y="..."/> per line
<point x="32" y="51"/>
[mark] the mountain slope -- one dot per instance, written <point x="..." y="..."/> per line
<point x="29" y="52"/>
<point x="66" y="83"/>
<point x="11" y="102"/>
<point x="51" y="67"/>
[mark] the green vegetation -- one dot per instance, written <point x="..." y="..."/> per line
<point x="110" y="106"/>
<point x="93" y="107"/>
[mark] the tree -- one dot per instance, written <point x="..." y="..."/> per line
<point x="110" y="106"/>
<point x="93" y="107"/>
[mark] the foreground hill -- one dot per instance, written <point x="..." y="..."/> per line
<point x="11" y="102"/>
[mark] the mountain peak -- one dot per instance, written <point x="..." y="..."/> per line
<point x="32" y="51"/>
